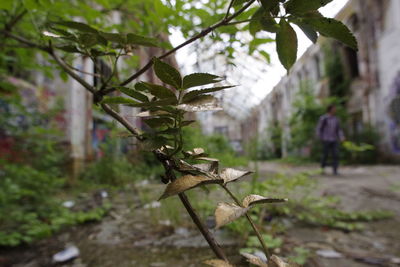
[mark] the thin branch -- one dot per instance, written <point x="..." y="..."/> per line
<point x="25" y="41"/>
<point x="238" y="22"/>
<point x="168" y="167"/>
<point x="122" y="120"/>
<point x="81" y="71"/>
<point x="203" y="33"/>
<point x="105" y="83"/>
<point x="14" y="20"/>
<point x="229" y="8"/>
<point x="65" y="67"/>
<point x="250" y="220"/>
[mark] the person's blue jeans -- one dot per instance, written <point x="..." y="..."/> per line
<point x="330" y="147"/>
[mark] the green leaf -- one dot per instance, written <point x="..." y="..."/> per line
<point x="158" y="103"/>
<point x="332" y="28"/>
<point x="141" y="40"/>
<point x="8" y="87"/>
<point x="158" y="122"/>
<point x="198" y="79"/>
<point x="154" y="142"/>
<point x="301" y="6"/>
<point x="114" y="37"/>
<point x="133" y="93"/>
<point x="158" y="90"/>
<point x="193" y="94"/>
<point x="262" y="20"/>
<point x="6" y="4"/>
<point x="69" y="48"/>
<point x="82" y="27"/>
<point x="170" y="131"/>
<point x="88" y="39"/>
<point x="268" y="23"/>
<point x="286" y="44"/>
<point x="255" y="24"/>
<point x="140" y="86"/>
<point x="118" y="100"/>
<point x="269" y="5"/>
<point x="308" y="31"/>
<point x="167" y="74"/>
<point x="266" y="56"/>
<point x="239" y="2"/>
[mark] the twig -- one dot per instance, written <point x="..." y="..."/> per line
<point x="81" y="71"/>
<point x="65" y="67"/>
<point x="122" y="120"/>
<point x="229" y="8"/>
<point x="168" y="166"/>
<point x="203" y="33"/>
<point x="250" y="220"/>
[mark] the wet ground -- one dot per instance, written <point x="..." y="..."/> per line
<point x="361" y="188"/>
<point x="137" y="232"/>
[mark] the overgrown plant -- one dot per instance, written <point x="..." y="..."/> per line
<point x="165" y="107"/>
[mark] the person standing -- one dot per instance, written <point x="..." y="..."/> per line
<point x="330" y="133"/>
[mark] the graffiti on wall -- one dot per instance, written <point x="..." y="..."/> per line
<point x="394" y="115"/>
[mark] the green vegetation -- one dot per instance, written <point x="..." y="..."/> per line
<point x="32" y="176"/>
<point x="63" y="32"/>
<point x="216" y="145"/>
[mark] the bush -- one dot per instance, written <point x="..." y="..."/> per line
<point x="31" y="176"/>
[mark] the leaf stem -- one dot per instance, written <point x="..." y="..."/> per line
<point x="203" y="33"/>
<point x="250" y="220"/>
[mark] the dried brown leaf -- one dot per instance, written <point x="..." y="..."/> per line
<point x="278" y="262"/>
<point x="208" y="159"/>
<point x="218" y="263"/>
<point x="196" y="152"/>
<point x="208" y="167"/>
<point x="250" y="200"/>
<point x="231" y="175"/>
<point x="227" y="212"/>
<point x="187" y="182"/>
<point x="254" y="260"/>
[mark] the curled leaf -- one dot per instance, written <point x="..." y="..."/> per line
<point x="208" y="159"/>
<point x="254" y="259"/>
<point x="208" y="167"/>
<point x="196" y="152"/>
<point x="250" y="200"/>
<point x="231" y="175"/>
<point x="226" y="213"/>
<point x="201" y="103"/>
<point x="151" y="113"/>
<point x="217" y="263"/>
<point x="278" y="262"/>
<point x="187" y="182"/>
<point x="158" y="122"/>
